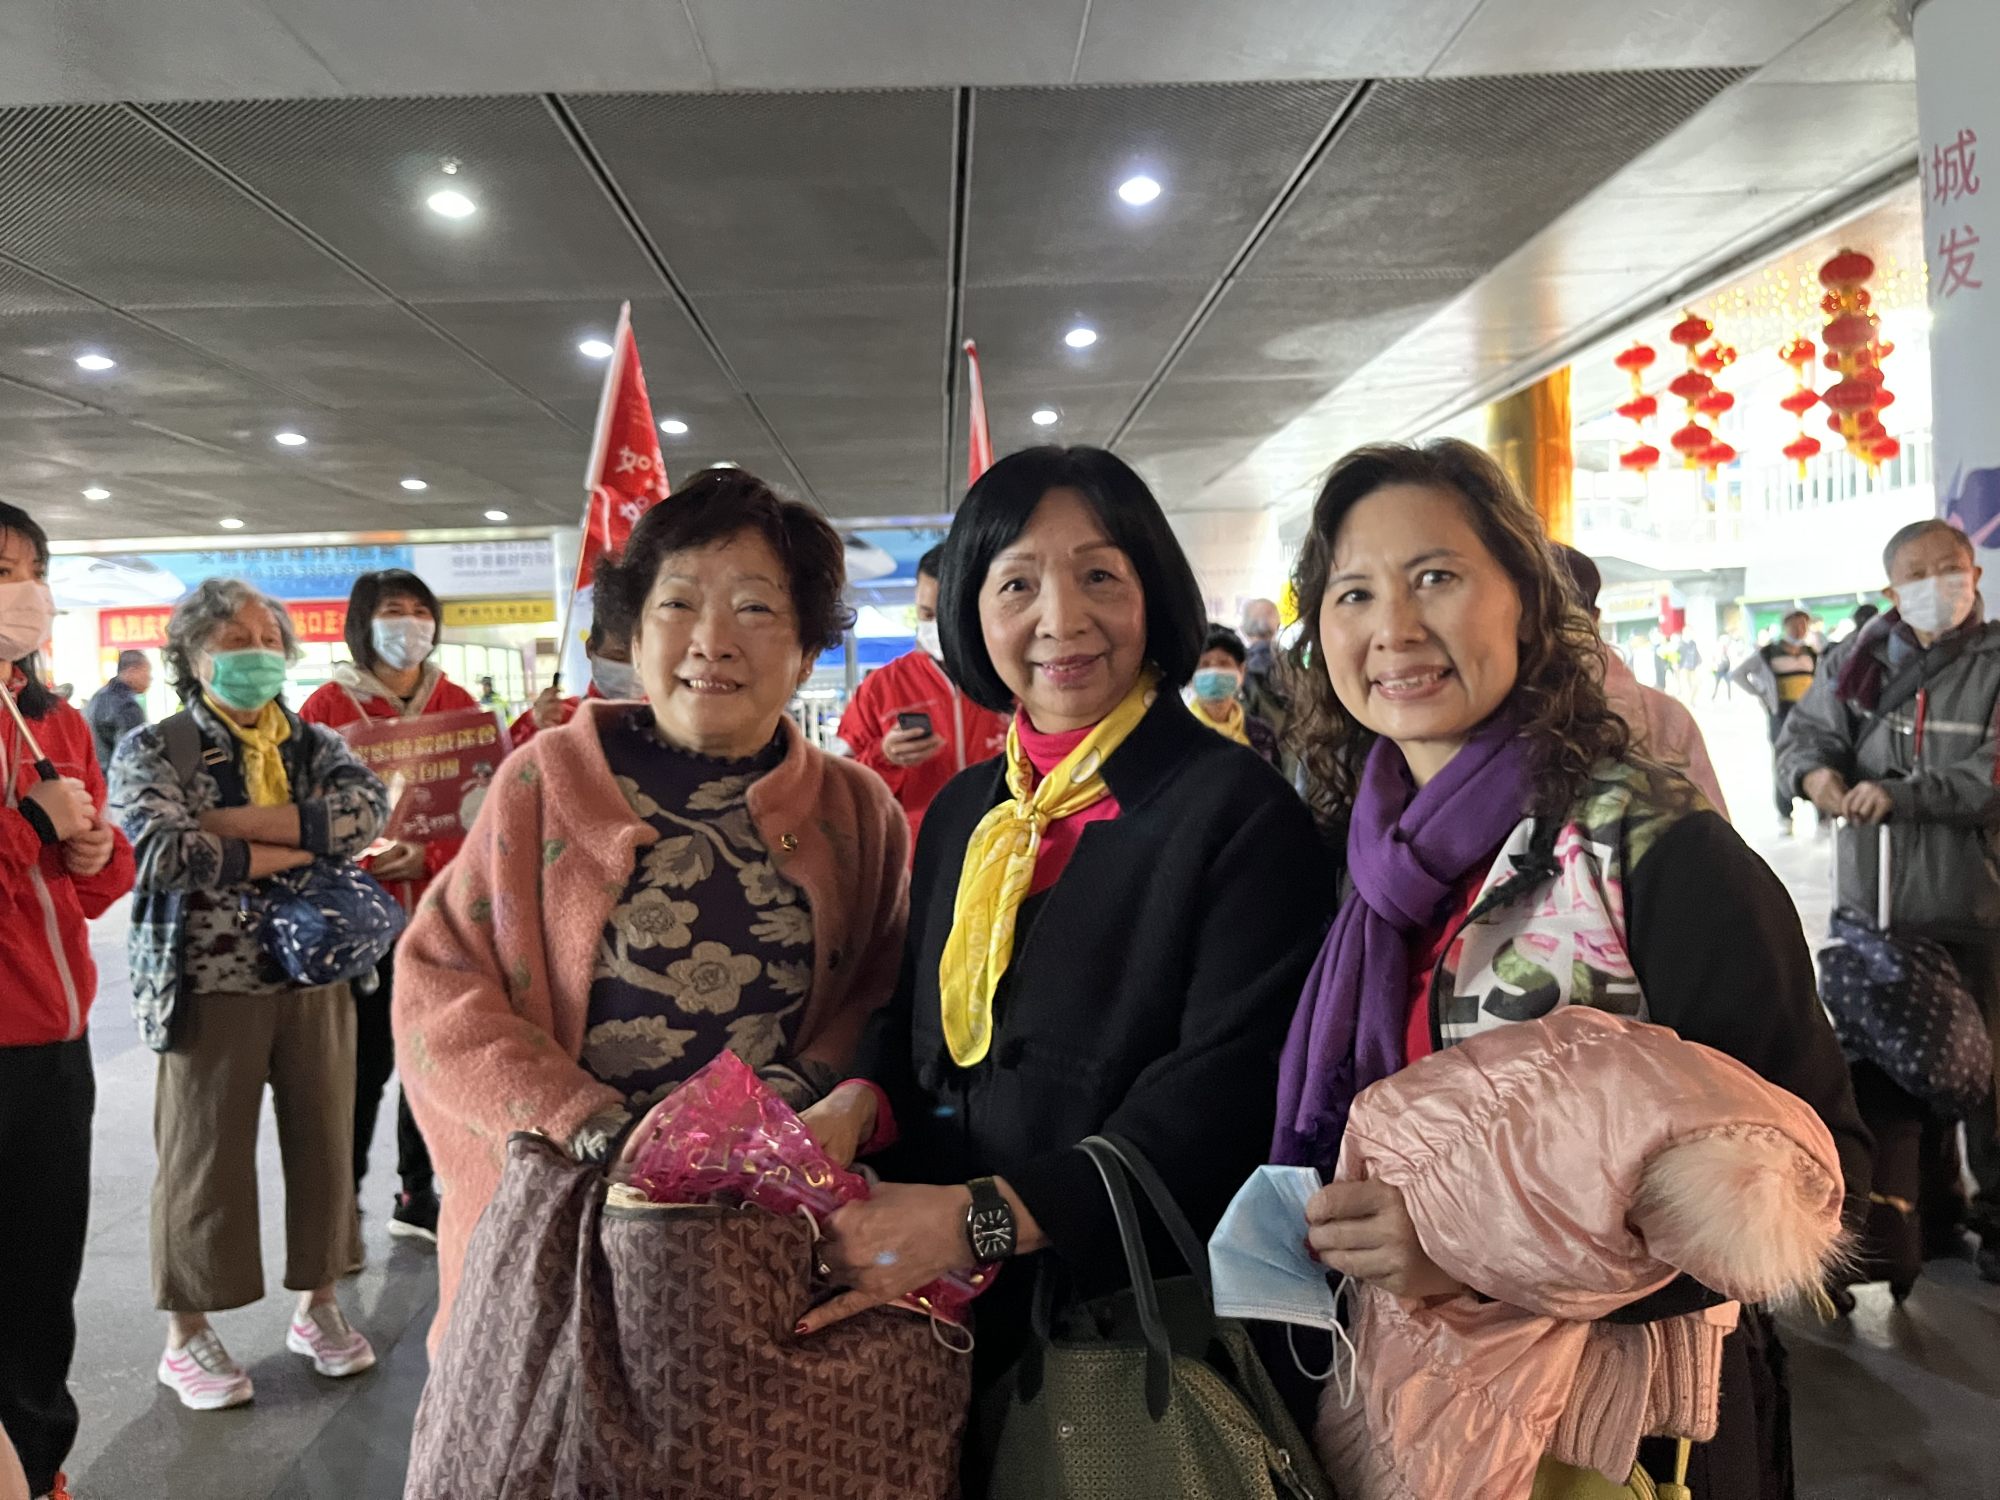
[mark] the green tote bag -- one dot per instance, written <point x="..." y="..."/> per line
<point x="1145" y="1394"/>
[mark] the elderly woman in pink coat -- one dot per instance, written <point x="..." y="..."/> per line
<point x="657" y="881"/>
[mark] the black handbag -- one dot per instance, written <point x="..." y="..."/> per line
<point x="1900" y="1003"/>
<point x="1142" y="1394"/>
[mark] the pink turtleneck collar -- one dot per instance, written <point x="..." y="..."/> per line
<point x="1045" y="752"/>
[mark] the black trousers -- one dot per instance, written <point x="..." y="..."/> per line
<point x="374" y="1061"/>
<point x="47" y="1095"/>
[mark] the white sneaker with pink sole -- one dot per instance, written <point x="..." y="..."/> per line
<point x="203" y="1375"/>
<point x="330" y="1342"/>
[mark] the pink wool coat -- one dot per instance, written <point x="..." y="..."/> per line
<point x="493" y="975"/>
<point x="1564" y="1168"/>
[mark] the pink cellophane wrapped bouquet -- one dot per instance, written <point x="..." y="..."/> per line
<point x="725" y="1137"/>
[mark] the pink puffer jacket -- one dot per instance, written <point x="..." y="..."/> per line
<point x="1564" y="1168"/>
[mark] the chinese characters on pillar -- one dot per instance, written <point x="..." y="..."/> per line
<point x="1951" y="175"/>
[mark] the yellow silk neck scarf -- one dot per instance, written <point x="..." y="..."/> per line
<point x="1232" y="727"/>
<point x="264" y="775"/>
<point x="1000" y="868"/>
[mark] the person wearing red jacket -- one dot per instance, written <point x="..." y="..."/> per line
<point x="392" y="620"/>
<point x="916" y="761"/>
<point x="60" y="865"/>
<point x="612" y="675"/>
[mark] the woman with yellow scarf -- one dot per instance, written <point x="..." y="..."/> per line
<point x="233" y="789"/>
<point x="1216" y="696"/>
<point x="1109" y="924"/>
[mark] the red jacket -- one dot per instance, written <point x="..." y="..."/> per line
<point x="524" y="728"/>
<point x="354" y="691"/>
<point x="916" y="684"/>
<point x="49" y="977"/>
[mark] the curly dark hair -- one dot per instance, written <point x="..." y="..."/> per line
<point x="1560" y="687"/>
<point x="720" y="503"/>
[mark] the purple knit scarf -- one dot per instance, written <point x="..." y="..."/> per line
<point x="1407" y="850"/>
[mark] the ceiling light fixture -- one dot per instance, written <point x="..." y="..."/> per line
<point x="727" y="463"/>
<point x="674" y="427"/>
<point x="96" y="492"/>
<point x="290" y="439"/>
<point x="95" y="362"/>
<point x="230" y="523"/>
<point x="414" y="485"/>
<point x="1080" y="338"/>
<point x="595" y="348"/>
<point x="1048" y="416"/>
<point x="1138" y="191"/>
<point x="451" y="203"/>
<point x="496" y="515"/>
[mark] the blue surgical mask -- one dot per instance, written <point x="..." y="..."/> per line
<point x="1261" y="1268"/>
<point x="615" y="679"/>
<point x="402" y="641"/>
<point x="1215" y="684"/>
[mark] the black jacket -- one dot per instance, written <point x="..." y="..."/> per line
<point x="1149" y="993"/>
<point x="115" y="710"/>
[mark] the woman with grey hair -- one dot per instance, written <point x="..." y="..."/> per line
<point x="215" y="799"/>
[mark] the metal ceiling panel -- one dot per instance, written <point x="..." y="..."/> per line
<point x="1782" y="137"/>
<point x="59" y="52"/>
<point x="808" y="44"/>
<point x="18" y="400"/>
<point x="1563" y="36"/>
<point x="1328" y="328"/>
<point x="1020" y="332"/>
<point x="1866" y="43"/>
<point x="1046" y="164"/>
<point x="99" y="199"/>
<point x="1452" y="175"/>
<point x="885" y="340"/>
<point x="534" y="344"/>
<point x="1196" y="430"/>
<point x="107" y="445"/>
<point x="785" y="192"/>
<point x="360" y="356"/>
<point x="23" y="291"/>
<point x="358" y="173"/>
<point x="1185" y="41"/>
<point x="495" y="46"/>
<point x="152" y="370"/>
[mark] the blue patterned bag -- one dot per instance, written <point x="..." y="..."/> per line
<point x="327" y="922"/>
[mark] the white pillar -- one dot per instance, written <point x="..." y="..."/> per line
<point x="1958" y="110"/>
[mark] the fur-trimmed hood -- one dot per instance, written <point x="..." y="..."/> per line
<point x="1565" y="1168"/>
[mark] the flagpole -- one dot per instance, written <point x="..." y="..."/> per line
<point x="598" y="441"/>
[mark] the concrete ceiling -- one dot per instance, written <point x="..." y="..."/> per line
<point x="1441" y="195"/>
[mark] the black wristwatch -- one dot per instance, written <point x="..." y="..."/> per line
<point x="989" y="1222"/>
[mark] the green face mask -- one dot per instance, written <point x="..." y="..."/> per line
<point x="246" y="679"/>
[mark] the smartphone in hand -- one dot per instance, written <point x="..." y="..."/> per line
<point x="918" y="721"/>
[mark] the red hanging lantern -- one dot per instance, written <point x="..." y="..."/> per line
<point x="1696" y="386"/>
<point x="1855" y="352"/>
<point x="1800" y="401"/>
<point x="1715" y="403"/>
<point x="1690" y="332"/>
<point x="1850" y="395"/>
<point x="1692" y="441"/>
<point x="1800" y="450"/>
<point x="1846" y="271"/>
<point x="1642" y="457"/>
<point x="1883" y="449"/>
<point x="1690" y="386"/>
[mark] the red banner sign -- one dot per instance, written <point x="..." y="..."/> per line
<point x="320" y="621"/>
<point x="437" y="768"/>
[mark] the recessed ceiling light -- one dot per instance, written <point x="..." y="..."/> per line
<point x="452" y="204"/>
<point x="595" y="348"/>
<point x="95" y="362"/>
<point x="496" y="515"/>
<point x="727" y="463"/>
<point x="95" y="492"/>
<point x="230" y="523"/>
<point x="1080" y="338"/>
<point x="1048" y="416"/>
<point x="1138" y="190"/>
<point x="290" y="439"/>
<point x="674" y="427"/>
<point x="414" y="485"/>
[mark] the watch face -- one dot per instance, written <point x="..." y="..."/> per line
<point x="992" y="1233"/>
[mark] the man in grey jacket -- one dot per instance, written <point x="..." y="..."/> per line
<point x="1898" y="728"/>
<point x="117" y="708"/>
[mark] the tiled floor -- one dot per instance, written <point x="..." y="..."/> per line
<point x="1895" y="1404"/>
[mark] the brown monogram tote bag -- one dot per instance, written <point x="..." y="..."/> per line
<point x="607" y="1353"/>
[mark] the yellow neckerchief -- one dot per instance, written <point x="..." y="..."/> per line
<point x="1231" y="728"/>
<point x="264" y="775"/>
<point x="1000" y="867"/>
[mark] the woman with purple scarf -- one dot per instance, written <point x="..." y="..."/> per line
<point x="1508" y="854"/>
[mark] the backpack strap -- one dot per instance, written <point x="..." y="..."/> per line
<point x="182" y="739"/>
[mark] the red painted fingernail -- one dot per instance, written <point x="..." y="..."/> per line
<point x="800" y="1326"/>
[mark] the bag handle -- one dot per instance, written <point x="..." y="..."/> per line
<point x="1163" y="1202"/>
<point x="1139" y="1266"/>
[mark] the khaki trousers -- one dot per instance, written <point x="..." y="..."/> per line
<point x="207" y="1255"/>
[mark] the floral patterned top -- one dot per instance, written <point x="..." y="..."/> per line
<point x="709" y="947"/>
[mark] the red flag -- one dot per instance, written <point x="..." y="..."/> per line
<point x="627" y="475"/>
<point x="981" y="450"/>
<point x="627" y="472"/>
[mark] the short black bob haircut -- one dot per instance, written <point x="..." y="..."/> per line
<point x="370" y="590"/>
<point x="34" y="699"/>
<point x="717" y="504"/>
<point x="995" y="513"/>
<point x="1222" y="638"/>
